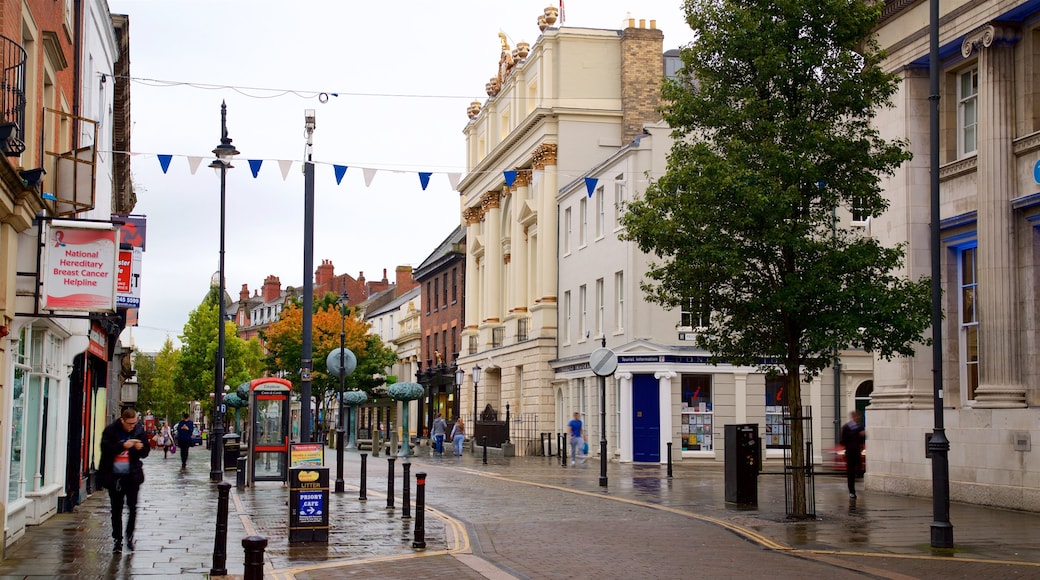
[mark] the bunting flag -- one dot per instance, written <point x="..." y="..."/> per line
<point x="164" y="162"/>
<point x="193" y="164"/>
<point x="590" y="185"/>
<point x="424" y="179"/>
<point x="369" y="176"/>
<point x="454" y="179"/>
<point x="340" y="170"/>
<point x="285" y="165"/>
<point x="254" y="166"/>
<point x="510" y="177"/>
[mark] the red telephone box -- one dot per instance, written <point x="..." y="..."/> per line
<point x="269" y="430"/>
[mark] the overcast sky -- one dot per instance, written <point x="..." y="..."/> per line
<point x="404" y="70"/>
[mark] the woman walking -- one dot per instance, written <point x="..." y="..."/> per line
<point x="458" y="434"/>
<point x="166" y="439"/>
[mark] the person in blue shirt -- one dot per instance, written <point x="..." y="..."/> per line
<point x="185" y="428"/>
<point x="574" y="429"/>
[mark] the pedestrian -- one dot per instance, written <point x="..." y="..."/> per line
<point x="184" y="430"/>
<point x="458" y="434"/>
<point x="166" y="438"/>
<point x="120" y="471"/>
<point x="438" y="429"/>
<point x="577" y="443"/>
<point x="852" y="437"/>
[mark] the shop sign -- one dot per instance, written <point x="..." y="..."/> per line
<point x="79" y="265"/>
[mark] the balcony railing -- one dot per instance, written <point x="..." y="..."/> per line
<point x="12" y="97"/>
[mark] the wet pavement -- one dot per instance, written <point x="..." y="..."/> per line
<point x="530" y="518"/>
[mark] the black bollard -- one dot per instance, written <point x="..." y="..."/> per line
<point x="364" y="478"/>
<point x="390" y="483"/>
<point x="669" y="444"/>
<point x="254" y="547"/>
<point x="484" y="442"/>
<point x="420" y="509"/>
<point x="406" y="491"/>
<point x="220" y="538"/>
<point x="563" y="450"/>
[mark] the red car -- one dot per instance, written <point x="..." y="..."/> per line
<point x="835" y="459"/>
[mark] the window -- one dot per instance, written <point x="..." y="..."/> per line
<point x="697" y="413"/>
<point x="859" y="212"/>
<point x="567" y="231"/>
<point x="583" y="326"/>
<point x="969" y="321"/>
<point x="429" y="296"/>
<point x="454" y="285"/>
<point x="445" y="287"/>
<point x="967" y="112"/>
<point x="436" y="293"/>
<point x="567" y="317"/>
<point x="390" y="332"/>
<point x="599" y="307"/>
<point x="600" y="212"/>
<point x="694" y="314"/>
<point x="619" y="199"/>
<point x="778" y="436"/>
<point x="619" y="301"/>
<point x="583" y="221"/>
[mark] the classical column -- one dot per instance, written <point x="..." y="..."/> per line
<point x="545" y="159"/>
<point x="664" y="382"/>
<point x="625" y="428"/>
<point x="491" y="203"/>
<point x="1000" y="382"/>
<point x="471" y="217"/>
<point x="518" y="246"/>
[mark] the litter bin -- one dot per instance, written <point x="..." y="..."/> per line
<point x="231" y="451"/>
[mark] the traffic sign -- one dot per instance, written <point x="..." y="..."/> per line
<point x="333" y="362"/>
<point x="603" y="362"/>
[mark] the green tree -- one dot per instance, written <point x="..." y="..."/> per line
<point x="772" y="116"/>
<point x="155" y="373"/>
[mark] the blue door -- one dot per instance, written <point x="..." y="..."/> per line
<point x="646" y="419"/>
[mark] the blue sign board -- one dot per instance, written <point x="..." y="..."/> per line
<point x="311" y="506"/>
<point x="1036" y="172"/>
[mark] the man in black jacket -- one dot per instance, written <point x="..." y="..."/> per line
<point x="123" y="445"/>
<point x="852" y="436"/>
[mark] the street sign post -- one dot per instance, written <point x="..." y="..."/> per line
<point x="603" y="363"/>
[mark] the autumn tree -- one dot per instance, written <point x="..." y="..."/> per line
<point x="772" y="116"/>
<point x="284" y="340"/>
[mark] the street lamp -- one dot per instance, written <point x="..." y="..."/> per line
<point x="343" y="298"/>
<point x="224" y="152"/>
<point x="460" y="376"/>
<point x="307" y="344"/>
<point x="476" y="380"/>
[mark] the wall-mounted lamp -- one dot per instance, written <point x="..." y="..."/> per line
<point x="33" y="178"/>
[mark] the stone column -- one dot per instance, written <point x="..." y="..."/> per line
<point x="664" y="381"/>
<point x="471" y="217"/>
<point x="518" y="246"/>
<point x="625" y="435"/>
<point x="545" y="159"/>
<point x="491" y="203"/>
<point x="1000" y="383"/>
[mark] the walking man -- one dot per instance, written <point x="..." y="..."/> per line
<point x="576" y="441"/>
<point x="437" y="430"/>
<point x="184" y="429"/>
<point x="120" y="471"/>
<point x="852" y="437"/>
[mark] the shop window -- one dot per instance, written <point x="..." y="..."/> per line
<point x="778" y="436"/>
<point x="697" y="413"/>
<point x="969" y="321"/>
<point x="16" y="480"/>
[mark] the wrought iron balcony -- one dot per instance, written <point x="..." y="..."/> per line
<point x="12" y="97"/>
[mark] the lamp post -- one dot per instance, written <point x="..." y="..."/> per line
<point x="460" y="375"/>
<point x="476" y="381"/>
<point x="224" y="152"/>
<point x="340" y="429"/>
<point x="307" y="346"/>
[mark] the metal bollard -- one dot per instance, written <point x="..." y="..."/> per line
<point x="484" y="441"/>
<point x="364" y="478"/>
<point x="254" y="547"/>
<point x="406" y="491"/>
<point x="669" y="444"/>
<point x="563" y="449"/>
<point x="240" y="474"/>
<point x="390" y="483"/>
<point x="220" y="537"/>
<point x="420" y="508"/>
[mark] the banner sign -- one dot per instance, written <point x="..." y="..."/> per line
<point x="128" y="279"/>
<point x="304" y="454"/>
<point x="79" y="266"/>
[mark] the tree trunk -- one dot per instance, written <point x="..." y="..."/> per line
<point x="798" y="458"/>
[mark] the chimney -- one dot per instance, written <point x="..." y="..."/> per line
<point x="272" y="288"/>
<point x="243" y="294"/>
<point x="405" y="281"/>
<point x="325" y="274"/>
<point x="642" y="70"/>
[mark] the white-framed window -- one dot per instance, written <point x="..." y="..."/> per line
<point x="967" y="112"/>
<point x="694" y="314"/>
<point x="619" y="199"/>
<point x="967" y="283"/>
<point x="698" y="413"/>
<point x="567" y="317"/>
<point x="583" y="221"/>
<point x="567" y="231"/>
<point x="778" y="434"/>
<point x="601" y="209"/>
<point x="619" y="301"/>
<point x="583" y="321"/>
<point x="599" y="307"/>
